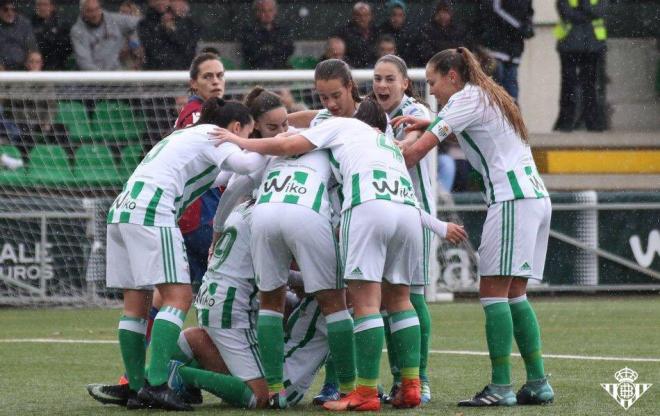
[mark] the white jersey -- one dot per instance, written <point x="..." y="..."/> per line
<point x="369" y="163"/>
<point x="422" y="171"/>
<point x="301" y="180"/>
<point x="177" y="171"/>
<point x="491" y="145"/>
<point x="231" y="254"/>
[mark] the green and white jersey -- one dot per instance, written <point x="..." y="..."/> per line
<point x="177" y="171"/>
<point x="422" y="171"/>
<point x="231" y="254"/>
<point x="301" y="180"/>
<point x="491" y="145"/>
<point x="370" y="165"/>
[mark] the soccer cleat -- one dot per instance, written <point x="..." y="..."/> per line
<point x="536" y="392"/>
<point x="109" y="393"/>
<point x="189" y="394"/>
<point x="409" y="395"/>
<point x="387" y="398"/>
<point x="426" y="390"/>
<point x="277" y="400"/>
<point x="328" y="392"/>
<point x="162" y="397"/>
<point x="491" y="395"/>
<point x="360" y="399"/>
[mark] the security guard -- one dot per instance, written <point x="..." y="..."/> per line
<point x="581" y="36"/>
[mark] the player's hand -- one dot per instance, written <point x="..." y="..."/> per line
<point x="404" y="145"/>
<point x="221" y="135"/>
<point x="412" y="123"/>
<point x="455" y="233"/>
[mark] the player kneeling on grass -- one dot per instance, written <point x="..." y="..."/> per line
<point x="145" y="247"/>
<point x="381" y="238"/>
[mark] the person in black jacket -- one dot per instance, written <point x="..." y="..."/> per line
<point x="440" y="33"/>
<point x="581" y="46"/>
<point x="52" y="35"/>
<point x="397" y="26"/>
<point x="360" y="37"/>
<point x="505" y="24"/>
<point x="169" y="41"/>
<point x="266" y="43"/>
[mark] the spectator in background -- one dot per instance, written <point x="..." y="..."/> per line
<point x="386" y="45"/>
<point x="395" y="26"/>
<point x="335" y="48"/>
<point x="34" y="61"/>
<point x="98" y="36"/>
<point x="16" y="37"/>
<point x="181" y="8"/>
<point x="360" y="37"/>
<point x="440" y="33"/>
<point x="581" y="36"/>
<point x="169" y="41"/>
<point x="504" y="27"/>
<point x="52" y="35"/>
<point x="132" y="54"/>
<point x="266" y="43"/>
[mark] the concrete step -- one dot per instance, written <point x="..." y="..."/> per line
<point x="602" y="182"/>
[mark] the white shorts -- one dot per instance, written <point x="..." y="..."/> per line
<point x="514" y="240"/>
<point x="306" y="348"/>
<point x="282" y="232"/>
<point x="139" y="257"/>
<point x="381" y="240"/>
<point x="239" y="349"/>
<point x="226" y="302"/>
<point x="421" y="277"/>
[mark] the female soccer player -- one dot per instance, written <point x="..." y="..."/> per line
<point x="394" y="92"/>
<point x="291" y="219"/>
<point x="381" y="238"/>
<point x="491" y="132"/>
<point x="145" y="247"/>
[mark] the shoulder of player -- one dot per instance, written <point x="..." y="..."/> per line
<point x="413" y="107"/>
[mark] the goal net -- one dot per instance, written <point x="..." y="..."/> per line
<point x="68" y="141"/>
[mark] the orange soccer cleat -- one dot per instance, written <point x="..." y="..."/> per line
<point x="360" y="399"/>
<point x="409" y="395"/>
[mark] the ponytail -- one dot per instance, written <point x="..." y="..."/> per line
<point x="221" y="113"/>
<point x="467" y="66"/>
<point x="337" y="69"/>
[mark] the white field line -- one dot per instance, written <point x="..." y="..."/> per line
<point x="443" y="352"/>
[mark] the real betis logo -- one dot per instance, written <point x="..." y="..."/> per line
<point x="626" y="392"/>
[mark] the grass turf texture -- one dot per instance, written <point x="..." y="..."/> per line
<point x="50" y="378"/>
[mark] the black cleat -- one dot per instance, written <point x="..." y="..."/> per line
<point x="192" y="395"/>
<point x="491" y="395"/>
<point x="117" y="394"/>
<point x="162" y="397"/>
<point x="133" y="403"/>
<point x="387" y="398"/>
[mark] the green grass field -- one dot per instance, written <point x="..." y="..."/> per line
<point x="49" y="378"/>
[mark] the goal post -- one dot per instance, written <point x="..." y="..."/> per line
<point x="77" y="136"/>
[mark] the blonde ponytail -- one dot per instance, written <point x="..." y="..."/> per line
<point x="466" y="64"/>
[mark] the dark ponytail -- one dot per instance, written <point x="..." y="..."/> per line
<point x="260" y="101"/>
<point x="372" y="113"/>
<point x="337" y="69"/>
<point x="220" y="112"/>
<point x="468" y="68"/>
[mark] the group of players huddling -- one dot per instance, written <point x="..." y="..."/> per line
<point x="321" y="243"/>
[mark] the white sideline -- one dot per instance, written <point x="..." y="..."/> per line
<point x="444" y="352"/>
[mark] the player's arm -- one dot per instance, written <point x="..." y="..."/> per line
<point x="276" y="146"/>
<point x="451" y="232"/>
<point x="243" y="163"/>
<point x="302" y="119"/>
<point x="414" y="153"/>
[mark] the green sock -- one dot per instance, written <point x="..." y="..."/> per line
<point x="528" y="336"/>
<point x="419" y="303"/>
<point x="342" y="348"/>
<point x="270" y="334"/>
<point x="183" y="352"/>
<point x="229" y="388"/>
<point x="406" y="339"/>
<point x="132" y="343"/>
<point x="391" y="350"/>
<point x="164" y="337"/>
<point x="499" y="335"/>
<point x="369" y="340"/>
<point x="330" y="373"/>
